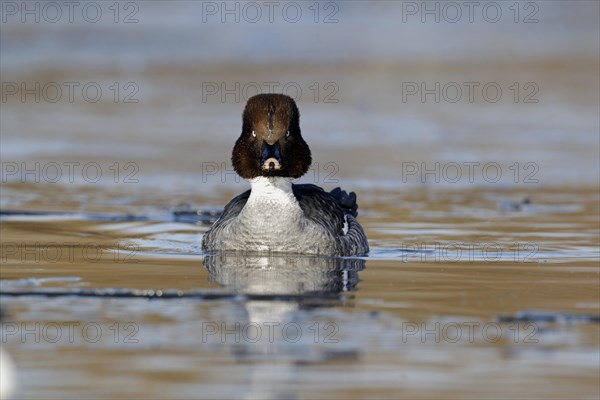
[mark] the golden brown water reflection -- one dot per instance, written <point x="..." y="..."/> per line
<point x="424" y="315"/>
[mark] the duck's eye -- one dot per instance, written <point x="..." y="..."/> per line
<point x="287" y="134"/>
<point x="253" y="134"/>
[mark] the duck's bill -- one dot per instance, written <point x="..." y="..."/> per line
<point x="271" y="164"/>
<point x="271" y="158"/>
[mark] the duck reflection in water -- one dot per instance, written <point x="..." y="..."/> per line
<point x="284" y="306"/>
<point x="283" y="275"/>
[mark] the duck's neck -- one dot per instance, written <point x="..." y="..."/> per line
<point x="271" y="203"/>
<point x="273" y="199"/>
<point x="271" y="187"/>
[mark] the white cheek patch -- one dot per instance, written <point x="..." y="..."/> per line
<point x="345" y="229"/>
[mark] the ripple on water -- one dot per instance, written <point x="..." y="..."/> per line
<point x="368" y="322"/>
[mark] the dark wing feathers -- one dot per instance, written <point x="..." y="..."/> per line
<point x="327" y="209"/>
<point x="333" y="210"/>
<point x="346" y="200"/>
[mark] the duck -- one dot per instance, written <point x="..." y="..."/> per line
<point x="276" y="215"/>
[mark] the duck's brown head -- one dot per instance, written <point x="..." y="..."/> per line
<point x="271" y="143"/>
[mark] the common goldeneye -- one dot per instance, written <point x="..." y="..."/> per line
<point x="276" y="215"/>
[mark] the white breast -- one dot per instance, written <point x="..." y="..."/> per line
<point x="272" y="211"/>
